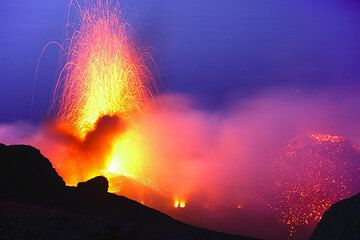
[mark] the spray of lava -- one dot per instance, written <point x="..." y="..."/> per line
<point x="104" y="77"/>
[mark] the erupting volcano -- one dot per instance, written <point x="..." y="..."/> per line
<point x="103" y="103"/>
<point x="232" y="157"/>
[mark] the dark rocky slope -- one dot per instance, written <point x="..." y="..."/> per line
<point x="341" y="221"/>
<point x="36" y="204"/>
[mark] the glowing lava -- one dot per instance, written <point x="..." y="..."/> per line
<point x="310" y="175"/>
<point x="104" y="75"/>
<point x="179" y="203"/>
<point x="325" y="138"/>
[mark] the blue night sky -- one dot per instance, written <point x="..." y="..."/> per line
<point x="213" y="50"/>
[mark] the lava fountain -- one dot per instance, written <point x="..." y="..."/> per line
<point x="104" y="75"/>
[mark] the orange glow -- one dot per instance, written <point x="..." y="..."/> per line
<point x="127" y="159"/>
<point x="126" y="155"/>
<point x="179" y="203"/>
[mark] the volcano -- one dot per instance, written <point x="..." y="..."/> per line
<point x="243" y="136"/>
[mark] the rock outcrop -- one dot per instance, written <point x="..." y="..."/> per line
<point x="27" y="175"/>
<point x="97" y="185"/>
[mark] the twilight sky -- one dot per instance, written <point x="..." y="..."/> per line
<point x="216" y="51"/>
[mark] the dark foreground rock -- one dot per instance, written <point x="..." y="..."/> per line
<point x="26" y="174"/>
<point x="341" y="221"/>
<point x="36" y="204"/>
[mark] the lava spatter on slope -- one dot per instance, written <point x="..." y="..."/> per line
<point x="309" y="175"/>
